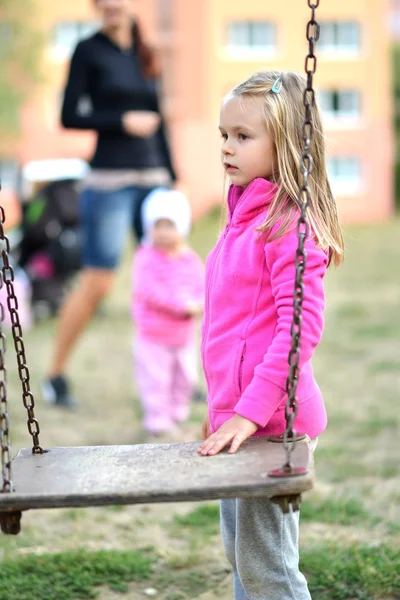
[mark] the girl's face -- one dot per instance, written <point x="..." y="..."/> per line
<point x="115" y="13"/>
<point x="247" y="148"/>
<point x="165" y="235"/>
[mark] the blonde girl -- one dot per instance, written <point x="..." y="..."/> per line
<point x="246" y="336"/>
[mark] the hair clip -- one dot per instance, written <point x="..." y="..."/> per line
<point x="276" y="88"/>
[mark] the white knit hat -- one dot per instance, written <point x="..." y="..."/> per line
<point x="162" y="203"/>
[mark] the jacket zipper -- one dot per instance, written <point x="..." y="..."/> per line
<point x="206" y="327"/>
<point x="240" y="373"/>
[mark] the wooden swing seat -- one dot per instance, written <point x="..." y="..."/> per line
<point x="147" y="473"/>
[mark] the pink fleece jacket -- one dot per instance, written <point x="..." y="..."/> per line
<point x="163" y="286"/>
<point x="248" y="314"/>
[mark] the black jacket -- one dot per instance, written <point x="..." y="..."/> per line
<point x="113" y="81"/>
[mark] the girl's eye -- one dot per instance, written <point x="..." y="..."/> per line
<point x="224" y="136"/>
<point x="242" y="136"/>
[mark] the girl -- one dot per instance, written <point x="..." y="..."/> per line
<point x="169" y="294"/>
<point x="246" y="340"/>
<point x="118" y="72"/>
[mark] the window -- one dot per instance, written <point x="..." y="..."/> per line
<point x="394" y="22"/>
<point x="9" y="175"/>
<point x="67" y="34"/>
<point x="340" y="106"/>
<point x="165" y="13"/>
<point x="340" y="37"/>
<point x="251" y="37"/>
<point x="345" y="174"/>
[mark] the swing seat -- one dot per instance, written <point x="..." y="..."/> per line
<point x="147" y="473"/>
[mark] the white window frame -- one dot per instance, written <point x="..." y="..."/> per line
<point x="345" y="184"/>
<point x="340" y="117"/>
<point x="247" y="50"/>
<point x="335" y="30"/>
<point x="63" y="51"/>
<point x="394" y="23"/>
<point x="9" y="175"/>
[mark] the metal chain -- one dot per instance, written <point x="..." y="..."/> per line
<point x="16" y="329"/>
<point x="303" y="227"/>
<point x="4" y="421"/>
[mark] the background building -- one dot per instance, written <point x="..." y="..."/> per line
<point x="207" y="46"/>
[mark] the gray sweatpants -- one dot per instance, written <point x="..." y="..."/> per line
<point x="261" y="544"/>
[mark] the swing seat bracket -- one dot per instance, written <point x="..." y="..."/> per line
<point x="10" y="522"/>
<point x="285" y="502"/>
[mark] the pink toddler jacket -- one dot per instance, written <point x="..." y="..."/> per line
<point x="163" y="287"/>
<point x="248" y="314"/>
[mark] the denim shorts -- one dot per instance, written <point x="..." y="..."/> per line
<point x="107" y="218"/>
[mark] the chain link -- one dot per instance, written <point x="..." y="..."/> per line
<point x="5" y="441"/>
<point x="23" y="371"/>
<point x="306" y="165"/>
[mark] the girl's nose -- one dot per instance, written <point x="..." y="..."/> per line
<point x="226" y="148"/>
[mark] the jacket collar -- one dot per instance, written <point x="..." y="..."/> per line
<point x="245" y="203"/>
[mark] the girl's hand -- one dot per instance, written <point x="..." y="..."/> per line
<point x="140" y="123"/>
<point x="205" y="428"/>
<point x="236" y="430"/>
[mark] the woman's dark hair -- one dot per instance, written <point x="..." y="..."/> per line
<point x="147" y="56"/>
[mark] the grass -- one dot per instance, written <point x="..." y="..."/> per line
<point x="336" y="511"/>
<point x="350" y="532"/>
<point x="385" y="366"/>
<point x="205" y="518"/>
<point x="183" y="583"/>
<point x="357" y="572"/>
<point x="72" y="575"/>
<point x="353" y="572"/>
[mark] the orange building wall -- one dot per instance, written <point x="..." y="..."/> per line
<point x="198" y="72"/>
<point x="373" y="141"/>
<point x="370" y="73"/>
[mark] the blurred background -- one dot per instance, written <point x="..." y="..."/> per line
<point x="351" y="521"/>
<point x="206" y="48"/>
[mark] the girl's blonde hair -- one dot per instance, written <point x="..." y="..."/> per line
<point x="284" y="117"/>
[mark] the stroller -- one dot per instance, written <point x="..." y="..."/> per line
<point x="50" y="244"/>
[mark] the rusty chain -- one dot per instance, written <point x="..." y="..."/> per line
<point x="23" y="371"/>
<point x="306" y="164"/>
<point x="4" y="421"/>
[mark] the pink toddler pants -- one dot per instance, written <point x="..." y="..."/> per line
<point x="165" y="378"/>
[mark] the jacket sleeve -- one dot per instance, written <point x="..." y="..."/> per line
<point x="151" y="291"/>
<point x="267" y="389"/>
<point x="77" y="87"/>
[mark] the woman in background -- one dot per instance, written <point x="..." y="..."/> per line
<point x="118" y="72"/>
